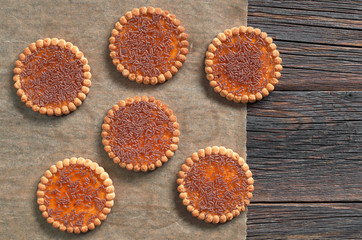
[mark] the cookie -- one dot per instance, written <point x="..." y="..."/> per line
<point x="75" y="195"/>
<point x="148" y="45"/>
<point x="215" y="184"/>
<point x="52" y="76"/>
<point x="242" y="64"/>
<point x="140" y="133"/>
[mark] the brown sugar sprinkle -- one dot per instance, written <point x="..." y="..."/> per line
<point x="243" y="65"/>
<point x="52" y="76"/>
<point x="140" y="133"/>
<point x="215" y="184"/>
<point x="75" y="196"/>
<point x="148" y="45"/>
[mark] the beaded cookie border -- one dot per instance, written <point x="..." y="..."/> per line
<point x="50" y="111"/>
<point x="251" y="98"/>
<point x="163" y="77"/>
<point x="99" y="171"/>
<point x="168" y="153"/>
<point x="214" y="150"/>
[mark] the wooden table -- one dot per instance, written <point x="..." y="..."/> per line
<point x="304" y="141"/>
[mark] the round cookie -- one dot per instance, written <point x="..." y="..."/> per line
<point x="75" y="195"/>
<point x="242" y="64"/>
<point x="215" y="184"/>
<point x="148" y="45"/>
<point x="52" y="76"/>
<point x="140" y="133"/>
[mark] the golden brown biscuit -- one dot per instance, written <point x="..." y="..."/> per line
<point x="75" y="195"/>
<point x="215" y="184"/>
<point x="140" y="133"/>
<point x="242" y="64"/>
<point x="52" y="76"/>
<point x="148" y="45"/>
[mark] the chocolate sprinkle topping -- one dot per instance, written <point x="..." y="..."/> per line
<point x="140" y="133"/>
<point x="240" y="65"/>
<point x="148" y="45"/>
<point x="75" y="196"/>
<point x="216" y="184"/>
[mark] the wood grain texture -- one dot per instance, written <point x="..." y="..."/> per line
<point x="310" y="21"/>
<point x="305" y="221"/>
<point x="306" y="146"/>
<point x="305" y="140"/>
<point x="316" y="67"/>
<point x="320" y="42"/>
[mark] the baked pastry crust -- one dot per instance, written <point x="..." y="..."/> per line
<point x="52" y="108"/>
<point x="124" y="66"/>
<point x="132" y="163"/>
<point x="102" y="179"/>
<point x="251" y="60"/>
<point x="206" y="215"/>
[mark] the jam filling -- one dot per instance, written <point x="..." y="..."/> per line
<point x="74" y="196"/>
<point x="52" y="76"/>
<point x="216" y="185"/>
<point x="242" y="64"/>
<point x="140" y="133"/>
<point x="148" y="45"/>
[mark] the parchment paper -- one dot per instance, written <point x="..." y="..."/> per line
<point x="147" y="205"/>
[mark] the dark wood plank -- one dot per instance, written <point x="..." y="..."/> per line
<point x="348" y="9"/>
<point x="306" y="146"/>
<point x="314" y="67"/>
<point x="320" y="43"/>
<point x="309" y="21"/>
<point x="305" y="221"/>
<point x="315" y="13"/>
